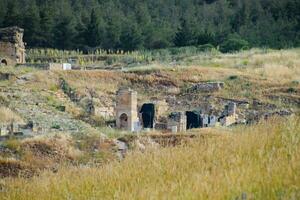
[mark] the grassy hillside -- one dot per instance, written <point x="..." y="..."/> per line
<point x="72" y="160"/>
<point x="257" y="162"/>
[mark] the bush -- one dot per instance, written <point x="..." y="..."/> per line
<point x="55" y="126"/>
<point x="234" y="44"/>
<point x="233" y="77"/>
<point x="291" y="90"/>
<point x="205" y="47"/>
<point x="12" y="144"/>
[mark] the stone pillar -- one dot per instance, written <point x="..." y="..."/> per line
<point x="231" y="108"/>
<point x="179" y="120"/>
<point x="126" y="110"/>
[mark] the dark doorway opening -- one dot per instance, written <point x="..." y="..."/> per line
<point x="123" y="121"/>
<point x="4" y="62"/>
<point x="194" y="119"/>
<point x="148" y="115"/>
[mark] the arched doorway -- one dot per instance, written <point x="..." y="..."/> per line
<point x="4" y="62"/>
<point x="123" y="121"/>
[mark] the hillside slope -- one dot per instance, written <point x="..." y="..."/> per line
<point x="268" y="82"/>
<point x="256" y="162"/>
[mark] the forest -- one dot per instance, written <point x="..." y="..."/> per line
<point x="153" y="24"/>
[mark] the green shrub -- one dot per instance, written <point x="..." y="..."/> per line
<point x="12" y="144"/>
<point x="205" y="47"/>
<point x="55" y="126"/>
<point x="291" y="90"/>
<point x="233" y="77"/>
<point x="233" y="45"/>
<point x="54" y="88"/>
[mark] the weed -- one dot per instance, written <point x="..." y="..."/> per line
<point x="233" y="77"/>
<point x="55" y="126"/>
<point x="12" y="144"/>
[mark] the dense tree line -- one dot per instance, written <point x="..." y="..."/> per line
<point x="149" y="24"/>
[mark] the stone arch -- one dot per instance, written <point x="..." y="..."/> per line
<point x="4" y="62"/>
<point x="123" y="121"/>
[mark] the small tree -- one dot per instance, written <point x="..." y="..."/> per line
<point x="233" y="45"/>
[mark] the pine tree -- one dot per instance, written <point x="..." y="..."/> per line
<point x="131" y="38"/>
<point x="12" y="16"/>
<point x="46" y="27"/>
<point x="64" y="32"/>
<point x="185" y="35"/>
<point x="93" y="34"/>
<point x="31" y="25"/>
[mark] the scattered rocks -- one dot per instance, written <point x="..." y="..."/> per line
<point x="207" y="87"/>
<point x="6" y="76"/>
<point x="25" y="78"/>
<point x="122" y="148"/>
<point x="281" y="113"/>
<point x="70" y="92"/>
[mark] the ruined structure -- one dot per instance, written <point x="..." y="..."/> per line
<point x="207" y="87"/>
<point x="196" y="119"/>
<point x="126" y="110"/>
<point x="3" y="130"/>
<point x="229" y="116"/>
<point x="177" y="122"/>
<point x="147" y="114"/>
<point x="17" y="129"/>
<point x="12" y="47"/>
<point x="155" y="115"/>
<point x="60" y="66"/>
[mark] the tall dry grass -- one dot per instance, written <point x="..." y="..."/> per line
<point x="257" y="162"/>
<point x="8" y="116"/>
<point x="280" y="66"/>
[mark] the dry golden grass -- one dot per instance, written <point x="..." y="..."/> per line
<point x="257" y="162"/>
<point x="8" y="116"/>
<point x="275" y="65"/>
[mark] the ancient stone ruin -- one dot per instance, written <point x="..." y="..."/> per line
<point x="197" y="119"/>
<point x="17" y="129"/>
<point x="207" y="87"/>
<point x="177" y="122"/>
<point x="60" y="66"/>
<point x="147" y="114"/>
<point x="229" y="116"/>
<point x="126" y="110"/>
<point x="154" y="115"/>
<point x="12" y="47"/>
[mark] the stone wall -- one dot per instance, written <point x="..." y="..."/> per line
<point x="12" y="46"/>
<point x="178" y="120"/>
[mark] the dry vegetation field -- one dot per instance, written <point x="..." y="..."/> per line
<point x="259" y="161"/>
<point x="256" y="162"/>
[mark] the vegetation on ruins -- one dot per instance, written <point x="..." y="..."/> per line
<point x="153" y="24"/>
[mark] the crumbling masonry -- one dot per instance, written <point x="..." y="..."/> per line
<point x="126" y="110"/>
<point x="12" y="47"/>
